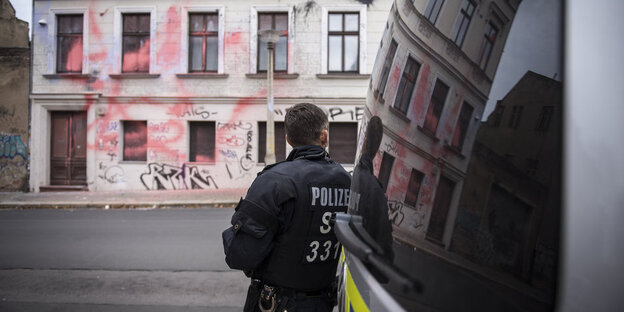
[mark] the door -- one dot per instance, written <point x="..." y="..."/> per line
<point x="68" y="159"/>
<point x="441" y="204"/>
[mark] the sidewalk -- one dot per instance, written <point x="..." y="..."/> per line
<point x="122" y="199"/>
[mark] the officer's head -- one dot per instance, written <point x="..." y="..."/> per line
<point x="306" y="124"/>
<point x="372" y="138"/>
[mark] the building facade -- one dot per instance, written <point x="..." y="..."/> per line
<point x="172" y="95"/>
<point x="14" y="88"/>
<point x="430" y="85"/>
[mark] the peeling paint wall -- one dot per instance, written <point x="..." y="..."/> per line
<point x="14" y="83"/>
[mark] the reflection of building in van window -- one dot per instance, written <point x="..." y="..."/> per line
<point x="509" y="208"/>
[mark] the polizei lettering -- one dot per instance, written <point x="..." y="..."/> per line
<point x="329" y="197"/>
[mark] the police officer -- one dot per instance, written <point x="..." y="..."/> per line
<point x="281" y="236"/>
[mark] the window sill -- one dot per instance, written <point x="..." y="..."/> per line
<point x="132" y="162"/>
<point x="455" y="150"/>
<point x="134" y="76"/>
<point x="428" y="133"/>
<point x="399" y="114"/>
<point x="275" y="76"/>
<point x="67" y="76"/>
<point x="343" y="76"/>
<point x="203" y="76"/>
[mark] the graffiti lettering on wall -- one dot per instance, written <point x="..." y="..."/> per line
<point x="11" y="146"/>
<point x="191" y="111"/>
<point x="355" y="114"/>
<point x="232" y="140"/>
<point x="234" y="125"/>
<point x="168" y="177"/>
<point x="391" y="147"/>
<point x="246" y="162"/>
<point x="112" y="174"/>
<point x="395" y="213"/>
<point x="237" y="167"/>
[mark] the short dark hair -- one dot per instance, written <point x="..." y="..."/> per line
<point x="304" y="123"/>
<point x="372" y="138"/>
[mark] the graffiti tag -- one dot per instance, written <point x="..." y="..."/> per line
<point x="234" y="125"/>
<point x="12" y="146"/>
<point x="168" y="177"/>
<point x="395" y="213"/>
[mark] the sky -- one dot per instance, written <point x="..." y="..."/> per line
<point x="534" y="43"/>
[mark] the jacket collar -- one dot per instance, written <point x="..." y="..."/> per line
<point x="313" y="152"/>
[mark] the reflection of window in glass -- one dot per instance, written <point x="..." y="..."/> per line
<point x="514" y="119"/>
<point x="280" y="141"/>
<point x="462" y="22"/>
<point x="462" y="126"/>
<point x="69" y="44"/>
<point x="275" y="21"/>
<point x="343" y="42"/>
<point x="433" y="10"/>
<point x="202" y="143"/>
<point x="383" y="78"/>
<point x="386" y="168"/>
<point x="136" y="43"/>
<point x="489" y="38"/>
<point x="543" y="121"/>
<point x="498" y="115"/>
<point x="203" y="42"/>
<point x="342" y="141"/>
<point x="440" y="209"/>
<point x="413" y="188"/>
<point x="135" y="140"/>
<point x="406" y="86"/>
<point x="435" y="106"/>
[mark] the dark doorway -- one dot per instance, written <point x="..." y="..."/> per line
<point x="68" y="159"/>
<point x="441" y="204"/>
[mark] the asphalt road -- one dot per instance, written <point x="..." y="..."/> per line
<point x="116" y="260"/>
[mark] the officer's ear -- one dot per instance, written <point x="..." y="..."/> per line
<point x="324" y="138"/>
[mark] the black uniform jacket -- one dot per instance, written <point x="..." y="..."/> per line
<point x="280" y="232"/>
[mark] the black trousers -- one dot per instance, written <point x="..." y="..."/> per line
<point x="299" y="302"/>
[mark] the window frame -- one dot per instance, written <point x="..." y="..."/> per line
<point x="123" y="139"/>
<point x="362" y="50"/>
<point x="387" y="68"/>
<point x="185" y="28"/>
<point x="137" y="34"/>
<point x="254" y="36"/>
<point x="118" y="36"/>
<point x="515" y="116"/>
<point x="204" y="34"/>
<point x="421" y="176"/>
<point x="52" y="39"/>
<point x="273" y="14"/>
<point x="489" y="41"/>
<point x="462" y="15"/>
<point x="411" y="95"/>
<point x="459" y="125"/>
<point x="190" y="140"/>
<point x="343" y="33"/>
<point x="429" y="107"/>
<point x="430" y="6"/>
<point x="68" y="35"/>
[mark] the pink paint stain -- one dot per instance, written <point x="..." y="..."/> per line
<point x="169" y="53"/>
<point x="422" y="93"/>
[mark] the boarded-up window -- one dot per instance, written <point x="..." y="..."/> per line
<point x="462" y="126"/>
<point x="343" y="42"/>
<point x="69" y="44"/>
<point x="342" y="141"/>
<point x="441" y="205"/>
<point x="413" y="188"/>
<point x="383" y="78"/>
<point x="202" y="141"/>
<point x="135" y="140"/>
<point x="136" y="43"/>
<point x="203" y="42"/>
<point x="406" y="86"/>
<point x="280" y="141"/>
<point x="386" y="168"/>
<point x="436" y="106"/>
<point x="275" y="21"/>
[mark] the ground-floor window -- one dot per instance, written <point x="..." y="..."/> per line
<point x="135" y="140"/>
<point x="202" y="141"/>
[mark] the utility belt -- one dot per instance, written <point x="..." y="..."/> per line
<point x="266" y="298"/>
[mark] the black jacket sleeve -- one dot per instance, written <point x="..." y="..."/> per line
<point x="258" y="218"/>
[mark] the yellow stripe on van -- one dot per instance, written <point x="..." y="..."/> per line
<point x="353" y="299"/>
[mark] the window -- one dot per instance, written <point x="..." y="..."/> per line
<point x="439" y="212"/>
<point x="342" y="141"/>
<point x="433" y="10"/>
<point x="406" y="86"/>
<point x="276" y="21"/>
<point x="135" y="140"/>
<point x="385" y="169"/>
<point x="383" y="78"/>
<point x="69" y="43"/>
<point x="543" y="121"/>
<point x="497" y="115"/>
<point x="489" y="38"/>
<point x="435" y="106"/>
<point x="462" y="22"/>
<point x="280" y="141"/>
<point x="136" y="43"/>
<point x="343" y="42"/>
<point x="202" y="141"/>
<point x="203" y="42"/>
<point x="413" y="188"/>
<point x="462" y="126"/>
<point x="516" y="114"/>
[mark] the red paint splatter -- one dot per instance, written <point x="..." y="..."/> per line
<point x="137" y="60"/>
<point x="169" y="53"/>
